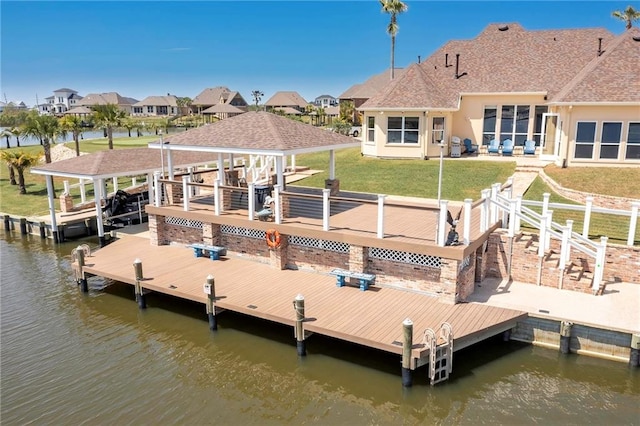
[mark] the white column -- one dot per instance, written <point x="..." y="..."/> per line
<point x="52" y="205"/>
<point x="293" y="162"/>
<point x="587" y="216"/>
<point x="332" y="164"/>
<point x="633" y="222"/>
<point x="185" y="192"/>
<point x="566" y="234"/>
<point x="381" y="198"/>
<point x="231" y="161"/>
<point x="485" y="211"/>
<point x="279" y="172"/>
<point x="601" y="258"/>
<point x="98" y="188"/>
<point x="547" y="243"/>
<point x="568" y="251"/>
<point x="519" y="210"/>
<point x="216" y="196"/>
<point x="221" y="176"/>
<point x="466" y="235"/>
<point x="495" y="190"/>
<point x="169" y="162"/>
<point x="442" y="222"/>
<point x="134" y="180"/>
<point x="545" y="203"/>
<point x="66" y="187"/>
<point x="277" y="204"/>
<point x="115" y="184"/>
<point x="157" y="190"/>
<point x="512" y="218"/>
<point x="251" y="199"/>
<point x="83" y="192"/>
<point x="543" y="236"/>
<point x="326" y="211"/>
<point x="150" y="186"/>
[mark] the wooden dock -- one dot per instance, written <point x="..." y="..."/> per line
<point x="371" y="318"/>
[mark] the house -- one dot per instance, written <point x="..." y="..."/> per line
<point x="358" y="94"/>
<point x="93" y="99"/>
<point x="283" y="99"/>
<point x="575" y="92"/>
<point x="325" y="101"/>
<point x="218" y="95"/>
<point x="14" y="105"/>
<point x="156" y="106"/>
<point x="62" y="100"/>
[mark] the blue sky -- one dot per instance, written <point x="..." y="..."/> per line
<point x="148" y="48"/>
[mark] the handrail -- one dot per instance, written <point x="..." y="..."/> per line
<point x="578" y="207"/>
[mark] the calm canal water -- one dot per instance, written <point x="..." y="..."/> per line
<point x="70" y="358"/>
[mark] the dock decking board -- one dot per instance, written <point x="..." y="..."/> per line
<point x="372" y="318"/>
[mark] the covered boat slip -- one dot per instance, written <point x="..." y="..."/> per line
<point x="372" y="318"/>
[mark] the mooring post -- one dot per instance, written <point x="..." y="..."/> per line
<point x="7" y="223"/>
<point x="634" y="356"/>
<point x="565" y="336"/>
<point x="506" y="335"/>
<point x="82" y="280"/>
<point x="43" y="230"/>
<point x="23" y="226"/>
<point x="210" y="290"/>
<point x="140" y="297"/>
<point x="298" y="304"/>
<point x="407" y="344"/>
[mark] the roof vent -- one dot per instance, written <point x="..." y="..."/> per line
<point x="503" y="28"/>
<point x="600" y="51"/>
<point x="636" y="38"/>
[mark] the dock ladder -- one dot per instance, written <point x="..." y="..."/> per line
<point x="440" y="352"/>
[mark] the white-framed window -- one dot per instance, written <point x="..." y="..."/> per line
<point x="137" y="110"/>
<point x="585" y="139"/>
<point x="371" y="129"/>
<point x="150" y="109"/>
<point x="162" y="110"/>
<point x="489" y="124"/>
<point x="514" y="123"/>
<point x="437" y="130"/>
<point x="402" y="130"/>
<point x="610" y="139"/>
<point x="633" y="141"/>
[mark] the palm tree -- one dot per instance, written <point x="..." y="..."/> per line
<point x="108" y="116"/>
<point x="393" y="8"/>
<point x="73" y="123"/>
<point x="15" y="131"/>
<point x="184" y="102"/>
<point x="629" y="16"/>
<point x="44" y="127"/>
<point x="257" y="96"/>
<point x="129" y="123"/>
<point x="20" y="161"/>
<point x="6" y="156"/>
<point x="6" y="134"/>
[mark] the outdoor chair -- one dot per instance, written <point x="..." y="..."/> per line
<point x="507" y="147"/>
<point x="530" y="147"/>
<point x="494" y="147"/>
<point x="470" y="148"/>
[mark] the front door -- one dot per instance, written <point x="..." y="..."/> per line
<point x="550" y="140"/>
<point x="437" y="135"/>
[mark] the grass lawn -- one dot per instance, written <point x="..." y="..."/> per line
<point x="414" y="178"/>
<point x="617" y="181"/>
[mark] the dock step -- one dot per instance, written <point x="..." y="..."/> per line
<point x="440" y="352"/>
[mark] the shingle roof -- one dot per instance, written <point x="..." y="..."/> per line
<point x="64" y="89"/>
<point x="222" y="108"/>
<point x="79" y="110"/>
<point x="119" y="162"/>
<point x="286" y="98"/>
<point x="260" y="132"/>
<point x="611" y="77"/>
<point x="211" y="96"/>
<point x="169" y="100"/>
<point x="502" y="59"/>
<point x="371" y="86"/>
<point x="106" y="98"/>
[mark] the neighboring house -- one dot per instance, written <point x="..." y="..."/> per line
<point x="93" y="99"/>
<point x="62" y="100"/>
<point x="282" y="100"/>
<point x="576" y="92"/>
<point x="358" y="94"/>
<point x="216" y="96"/>
<point x="325" y="101"/>
<point x="14" y="105"/>
<point x="156" y="106"/>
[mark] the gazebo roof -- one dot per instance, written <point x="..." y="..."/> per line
<point x="258" y="133"/>
<point x="119" y="162"/>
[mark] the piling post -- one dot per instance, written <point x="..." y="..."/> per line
<point x="7" y="223"/>
<point x="634" y="356"/>
<point x="43" y="230"/>
<point x="140" y="297"/>
<point x="23" y="226"/>
<point x="82" y="280"/>
<point x="210" y="290"/>
<point x="298" y="304"/>
<point x="407" y="344"/>
<point x="565" y="336"/>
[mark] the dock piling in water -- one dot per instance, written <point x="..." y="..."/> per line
<point x="298" y="304"/>
<point x="23" y="226"/>
<point x="634" y="356"/>
<point x="210" y="290"/>
<point x="407" y="343"/>
<point x="565" y="337"/>
<point x="82" y="280"/>
<point x="7" y="223"/>
<point x="140" y="297"/>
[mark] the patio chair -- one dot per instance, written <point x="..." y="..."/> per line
<point x="494" y="147"/>
<point x="530" y="147"/>
<point x="470" y="148"/>
<point x="507" y="147"/>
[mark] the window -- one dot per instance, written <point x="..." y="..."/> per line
<point x="489" y="124"/>
<point x="585" y="139"/>
<point x="149" y="109"/>
<point x="437" y="132"/>
<point x="402" y="130"/>
<point x="610" y="139"/>
<point x="514" y="123"/>
<point x="537" y="123"/>
<point x="633" y="142"/>
<point x="162" y="110"/>
<point x="371" y="129"/>
<point x="137" y="110"/>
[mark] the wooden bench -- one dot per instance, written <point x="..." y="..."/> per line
<point x="214" y="251"/>
<point x="364" y="279"/>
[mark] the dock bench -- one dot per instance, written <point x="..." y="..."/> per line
<point x="214" y="251"/>
<point x="364" y="279"/>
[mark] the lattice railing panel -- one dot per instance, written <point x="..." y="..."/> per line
<point x="180" y="221"/>
<point x="319" y="244"/>
<point x="244" y="232"/>
<point x="405" y="257"/>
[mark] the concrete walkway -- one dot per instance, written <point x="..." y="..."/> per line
<point x="617" y="309"/>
